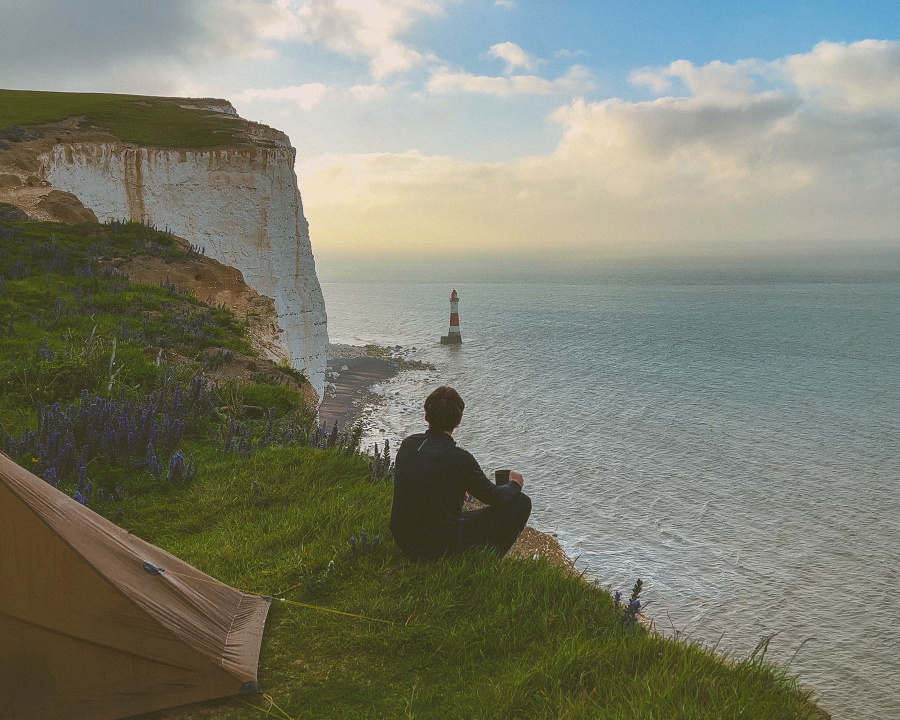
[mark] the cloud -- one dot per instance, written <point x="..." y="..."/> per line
<point x="510" y="4"/>
<point x="577" y="79"/>
<point x="513" y="56"/>
<point x="861" y="76"/>
<point x="369" y="93"/>
<point x="857" y="77"/>
<point x="749" y="157"/>
<point x="722" y="82"/>
<point x="309" y="95"/>
<point x="568" y="54"/>
<point x="42" y="35"/>
<point x="247" y="28"/>
<point x="443" y="82"/>
<point x="164" y="46"/>
<point x="657" y="80"/>
<point x="91" y="42"/>
<point x="367" y="28"/>
<point x="305" y="96"/>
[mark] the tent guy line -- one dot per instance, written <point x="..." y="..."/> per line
<point x="152" y="569"/>
<point x="268" y="710"/>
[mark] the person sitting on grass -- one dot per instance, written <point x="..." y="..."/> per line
<point x="431" y="478"/>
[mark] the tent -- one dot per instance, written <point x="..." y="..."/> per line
<point x="96" y="624"/>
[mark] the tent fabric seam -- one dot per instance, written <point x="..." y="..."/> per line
<point x="87" y="641"/>
<point x="244" y="596"/>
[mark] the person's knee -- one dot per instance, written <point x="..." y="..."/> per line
<point x="522" y="505"/>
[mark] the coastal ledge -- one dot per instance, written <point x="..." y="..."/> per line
<point x="351" y="372"/>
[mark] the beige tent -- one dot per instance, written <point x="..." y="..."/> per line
<point x="90" y="629"/>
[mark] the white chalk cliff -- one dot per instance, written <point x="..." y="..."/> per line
<point x="241" y="203"/>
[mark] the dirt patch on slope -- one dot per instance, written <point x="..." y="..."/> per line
<point x="534" y="543"/>
<point x="218" y="284"/>
<point x="66" y="207"/>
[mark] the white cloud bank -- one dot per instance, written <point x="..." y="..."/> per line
<point x="862" y="76"/>
<point x="308" y="95"/>
<point x="305" y="96"/>
<point x="576" y="81"/>
<point x="753" y="157"/>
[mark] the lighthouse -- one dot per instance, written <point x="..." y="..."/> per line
<point x="453" y="337"/>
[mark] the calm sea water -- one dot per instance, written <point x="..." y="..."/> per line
<point x="729" y="438"/>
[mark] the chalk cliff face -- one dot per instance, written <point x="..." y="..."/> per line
<point x="240" y="203"/>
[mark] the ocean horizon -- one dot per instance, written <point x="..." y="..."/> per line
<point x="726" y="435"/>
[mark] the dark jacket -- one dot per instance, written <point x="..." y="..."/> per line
<point x="431" y="477"/>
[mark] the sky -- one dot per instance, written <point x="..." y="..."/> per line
<point x="536" y="133"/>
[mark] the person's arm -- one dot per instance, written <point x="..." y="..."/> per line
<point x="477" y="484"/>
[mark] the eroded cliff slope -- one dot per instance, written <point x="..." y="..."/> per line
<point x="238" y="201"/>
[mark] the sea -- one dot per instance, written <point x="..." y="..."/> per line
<point x="728" y="435"/>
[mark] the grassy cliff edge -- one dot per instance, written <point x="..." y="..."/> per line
<point x="265" y="501"/>
<point x="137" y="119"/>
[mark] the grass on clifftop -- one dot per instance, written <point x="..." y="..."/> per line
<point x="269" y="505"/>
<point x="143" y="120"/>
<point x="474" y="637"/>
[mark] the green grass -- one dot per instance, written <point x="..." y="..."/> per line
<point x="55" y="294"/>
<point x="472" y="637"/>
<point x="143" y="120"/>
<point x="285" y="400"/>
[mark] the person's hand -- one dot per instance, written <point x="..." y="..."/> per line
<point x="516" y="478"/>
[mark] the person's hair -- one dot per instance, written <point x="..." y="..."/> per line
<point x="444" y="409"/>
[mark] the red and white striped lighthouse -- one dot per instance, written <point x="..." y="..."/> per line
<point x="453" y="337"/>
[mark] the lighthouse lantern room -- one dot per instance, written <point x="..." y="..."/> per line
<point x="453" y="337"/>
